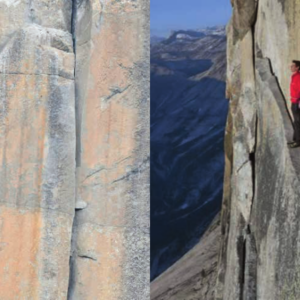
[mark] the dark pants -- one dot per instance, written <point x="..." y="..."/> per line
<point x="296" y="115"/>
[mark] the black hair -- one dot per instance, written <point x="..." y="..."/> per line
<point x="297" y="63"/>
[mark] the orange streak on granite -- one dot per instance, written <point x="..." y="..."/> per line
<point x="110" y="119"/>
<point x="24" y="134"/>
<point x="19" y="245"/>
<point x="99" y="276"/>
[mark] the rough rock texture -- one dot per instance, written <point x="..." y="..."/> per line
<point x="259" y="257"/>
<point x="193" y="277"/>
<point x="74" y="133"/>
<point x="110" y="258"/>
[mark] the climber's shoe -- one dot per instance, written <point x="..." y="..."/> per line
<point x="290" y="143"/>
<point x="294" y="145"/>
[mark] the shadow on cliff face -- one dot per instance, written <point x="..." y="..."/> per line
<point x="187" y="162"/>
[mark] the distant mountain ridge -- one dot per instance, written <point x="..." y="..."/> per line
<point x="190" y="34"/>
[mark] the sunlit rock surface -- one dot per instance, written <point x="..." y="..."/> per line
<point x="74" y="150"/>
<point x="259" y="256"/>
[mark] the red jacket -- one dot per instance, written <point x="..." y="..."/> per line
<point x="295" y="87"/>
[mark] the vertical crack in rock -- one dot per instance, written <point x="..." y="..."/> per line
<point x="72" y="268"/>
<point x="253" y="30"/>
<point x="253" y="153"/>
<point x="81" y="29"/>
<point x="72" y="265"/>
<point x="252" y="161"/>
<point x="241" y="250"/>
<point x="250" y="267"/>
<point x="248" y="248"/>
<point x="73" y="26"/>
<point x="247" y="255"/>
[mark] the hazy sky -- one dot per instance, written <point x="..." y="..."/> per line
<point x="168" y="15"/>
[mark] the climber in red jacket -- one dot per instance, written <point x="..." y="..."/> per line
<point x="295" y="102"/>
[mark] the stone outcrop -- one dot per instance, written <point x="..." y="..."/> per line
<point x="192" y="277"/>
<point x="74" y="149"/>
<point x="259" y="257"/>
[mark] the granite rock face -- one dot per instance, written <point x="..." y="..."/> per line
<point x="259" y="257"/>
<point x="74" y="149"/>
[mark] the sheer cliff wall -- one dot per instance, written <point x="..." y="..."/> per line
<point x="259" y="258"/>
<point x="74" y="149"/>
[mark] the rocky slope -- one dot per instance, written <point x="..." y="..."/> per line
<point x="188" y="115"/>
<point x="74" y="150"/>
<point x="193" y="277"/>
<point x="260" y="222"/>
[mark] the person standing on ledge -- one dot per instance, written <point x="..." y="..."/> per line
<point x="295" y="102"/>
